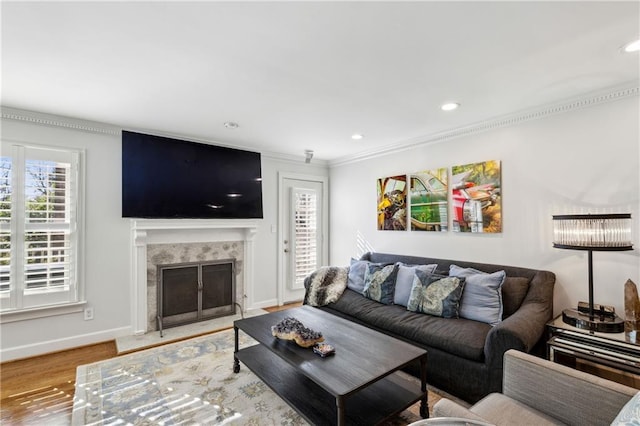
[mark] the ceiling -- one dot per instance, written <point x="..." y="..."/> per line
<point x="308" y="75"/>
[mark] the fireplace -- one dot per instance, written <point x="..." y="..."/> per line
<point x="174" y="242"/>
<point x="195" y="291"/>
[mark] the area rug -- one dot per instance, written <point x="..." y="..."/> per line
<point x="184" y="383"/>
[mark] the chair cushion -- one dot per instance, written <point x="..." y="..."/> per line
<point x="502" y="410"/>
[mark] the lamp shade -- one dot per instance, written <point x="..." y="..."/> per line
<point x="595" y="232"/>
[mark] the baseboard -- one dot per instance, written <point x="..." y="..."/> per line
<point x="264" y="304"/>
<point x="42" y="348"/>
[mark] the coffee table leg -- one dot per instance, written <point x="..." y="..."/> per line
<point x="424" y="404"/>
<point x="236" y="362"/>
<point x="340" y="407"/>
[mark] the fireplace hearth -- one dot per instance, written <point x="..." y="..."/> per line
<point x="195" y="291"/>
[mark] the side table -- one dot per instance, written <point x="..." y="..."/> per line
<point x="613" y="356"/>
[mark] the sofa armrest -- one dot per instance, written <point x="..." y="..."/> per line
<point x="447" y="408"/>
<point x="520" y="331"/>
<point x="571" y="396"/>
<point x="525" y="327"/>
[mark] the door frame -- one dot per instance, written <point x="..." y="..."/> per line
<point x="283" y="208"/>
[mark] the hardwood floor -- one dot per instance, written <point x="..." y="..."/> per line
<point x="39" y="390"/>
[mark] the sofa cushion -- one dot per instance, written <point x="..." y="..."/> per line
<point x="461" y="337"/>
<point x="379" y="282"/>
<point x="514" y="290"/>
<point x="482" y="296"/>
<point x="435" y="294"/>
<point x="404" y="281"/>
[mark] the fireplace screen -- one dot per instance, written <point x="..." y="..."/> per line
<point x="195" y="291"/>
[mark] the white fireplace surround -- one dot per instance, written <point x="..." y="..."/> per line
<point x="151" y="231"/>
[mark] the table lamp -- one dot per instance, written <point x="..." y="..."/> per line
<point x="593" y="232"/>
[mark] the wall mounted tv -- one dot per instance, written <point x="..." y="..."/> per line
<point x="170" y="178"/>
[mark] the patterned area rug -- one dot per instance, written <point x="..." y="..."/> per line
<point x="190" y="382"/>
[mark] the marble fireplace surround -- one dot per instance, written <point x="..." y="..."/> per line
<point x="157" y="242"/>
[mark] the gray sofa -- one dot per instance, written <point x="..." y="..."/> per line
<point x="540" y="392"/>
<point x="465" y="356"/>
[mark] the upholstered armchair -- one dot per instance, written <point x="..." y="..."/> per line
<point x="540" y="392"/>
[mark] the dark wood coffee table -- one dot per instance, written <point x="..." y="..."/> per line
<point x="358" y="385"/>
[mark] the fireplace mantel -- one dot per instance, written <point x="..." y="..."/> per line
<point x="150" y="231"/>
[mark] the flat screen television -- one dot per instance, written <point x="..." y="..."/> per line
<point x="169" y="178"/>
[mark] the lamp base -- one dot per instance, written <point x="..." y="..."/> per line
<point x="599" y="323"/>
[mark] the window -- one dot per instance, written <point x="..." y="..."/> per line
<point x="305" y="234"/>
<point x="39" y="232"/>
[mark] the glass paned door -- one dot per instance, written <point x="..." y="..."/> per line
<point x="302" y="249"/>
<point x="305" y="235"/>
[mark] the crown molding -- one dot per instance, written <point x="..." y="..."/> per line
<point x="537" y="113"/>
<point x="9" y="113"/>
<point x="44" y="119"/>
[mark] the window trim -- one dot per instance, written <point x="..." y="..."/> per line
<point x="13" y="314"/>
<point x="41" y="312"/>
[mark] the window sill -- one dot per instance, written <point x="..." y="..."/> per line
<point x="41" y="312"/>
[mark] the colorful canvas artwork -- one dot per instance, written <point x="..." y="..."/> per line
<point x="476" y="203"/>
<point x="428" y="195"/>
<point x="392" y="206"/>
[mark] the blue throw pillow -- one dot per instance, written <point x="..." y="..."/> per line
<point x="379" y="282"/>
<point x="404" y="281"/>
<point x="357" y="270"/>
<point x="482" y="297"/>
<point x="436" y="295"/>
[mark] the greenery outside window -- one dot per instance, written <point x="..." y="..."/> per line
<point x="39" y="227"/>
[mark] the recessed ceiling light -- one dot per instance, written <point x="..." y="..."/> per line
<point x="634" y="46"/>
<point x="231" y="125"/>
<point x="357" y="136"/>
<point x="449" y="106"/>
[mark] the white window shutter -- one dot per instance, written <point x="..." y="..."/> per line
<point x="38" y="229"/>
<point x="305" y="234"/>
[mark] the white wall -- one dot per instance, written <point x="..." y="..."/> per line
<point x="107" y="254"/>
<point x="585" y="160"/>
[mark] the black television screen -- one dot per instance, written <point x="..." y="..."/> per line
<point x="170" y="178"/>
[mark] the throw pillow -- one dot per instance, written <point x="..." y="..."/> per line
<point x="356" y="275"/>
<point x="436" y="294"/>
<point x="482" y="298"/>
<point x="379" y="282"/>
<point x="514" y="290"/>
<point x="404" y="281"/>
